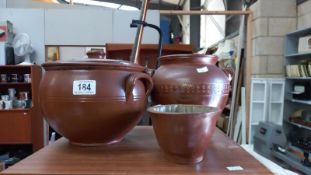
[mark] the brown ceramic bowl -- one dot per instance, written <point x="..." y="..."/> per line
<point x="94" y="102"/>
<point x="184" y="131"/>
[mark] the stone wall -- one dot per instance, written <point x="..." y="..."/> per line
<point x="304" y="15"/>
<point x="272" y="20"/>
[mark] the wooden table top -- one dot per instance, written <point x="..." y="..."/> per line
<point x="137" y="154"/>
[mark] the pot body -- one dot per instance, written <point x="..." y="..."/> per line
<point x="184" y="137"/>
<point x="100" y="118"/>
<point x="190" y="79"/>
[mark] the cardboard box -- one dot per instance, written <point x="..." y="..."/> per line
<point x="2" y="166"/>
<point x="6" y="32"/>
<point x="222" y="123"/>
<point x="304" y="44"/>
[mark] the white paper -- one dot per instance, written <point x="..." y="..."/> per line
<point x="84" y="87"/>
<point x="235" y="168"/>
<point x="202" y="69"/>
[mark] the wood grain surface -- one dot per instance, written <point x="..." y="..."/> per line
<point x="137" y="154"/>
<point x="15" y="127"/>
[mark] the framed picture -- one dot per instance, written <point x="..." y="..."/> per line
<point x="52" y="53"/>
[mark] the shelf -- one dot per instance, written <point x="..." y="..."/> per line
<point x="308" y="102"/>
<point x="258" y="101"/>
<point x="299" y="33"/>
<point x="15" y="66"/>
<point x="298" y="125"/>
<point x="15" y="110"/>
<point x="15" y="83"/>
<point x="18" y="125"/>
<point x="290" y="159"/>
<point x="298" y="78"/>
<point x="276" y="102"/>
<point x="302" y="54"/>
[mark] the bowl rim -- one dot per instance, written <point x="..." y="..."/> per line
<point x="151" y="109"/>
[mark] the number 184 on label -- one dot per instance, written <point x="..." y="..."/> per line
<point x="84" y="87"/>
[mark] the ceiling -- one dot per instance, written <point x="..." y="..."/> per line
<point x="154" y="4"/>
<point x="167" y="4"/>
<point x="161" y="4"/>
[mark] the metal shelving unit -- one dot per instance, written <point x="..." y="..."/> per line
<point x="296" y="133"/>
<point x="292" y="56"/>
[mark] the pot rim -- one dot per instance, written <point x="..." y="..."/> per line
<point x="211" y="59"/>
<point x="213" y="110"/>
<point x="93" y="64"/>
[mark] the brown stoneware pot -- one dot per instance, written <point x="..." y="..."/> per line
<point x="184" y="131"/>
<point x="190" y="79"/>
<point x="94" y="101"/>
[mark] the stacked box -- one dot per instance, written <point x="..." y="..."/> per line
<point x="6" y="32"/>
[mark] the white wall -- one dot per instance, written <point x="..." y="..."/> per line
<point x="271" y="21"/>
<point x="78" y="27"/>
<point x="122" y="33"/>
<point x="304" y="15"/>
<point x="2" y="3"/>
<point x="30" y="21"/>
<point x="95" y="27"/>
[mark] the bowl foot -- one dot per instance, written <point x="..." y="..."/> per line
<point x="97" y="144"/>
<point x="182" y="160"/>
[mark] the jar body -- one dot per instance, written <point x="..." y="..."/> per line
<point x="190" y="79"/>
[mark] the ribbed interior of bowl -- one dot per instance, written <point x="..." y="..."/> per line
<point x="182" y="109"/>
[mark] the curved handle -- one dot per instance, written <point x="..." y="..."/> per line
<point x="160" y="43"/>
<point x="131" y="82"/>
<point x="229" y="72"/>
<point x="136" y="23"/>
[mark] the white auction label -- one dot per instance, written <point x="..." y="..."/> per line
<point x="235" y="168"/>
<point x="202" y="69"/>
<point x="84" y="87"/>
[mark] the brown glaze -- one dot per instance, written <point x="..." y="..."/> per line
<point x="184" y="131"/>
<point x="120" y="100"/>
<point x="190" y="79"/>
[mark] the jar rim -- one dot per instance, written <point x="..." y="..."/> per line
<point x="93" y="64"/>
<point x="178" y="58"/>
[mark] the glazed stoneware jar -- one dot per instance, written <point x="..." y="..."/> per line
<point x="190" y="79"/>
<point x="94" y="101"/>
<point x="184" y="131"/>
